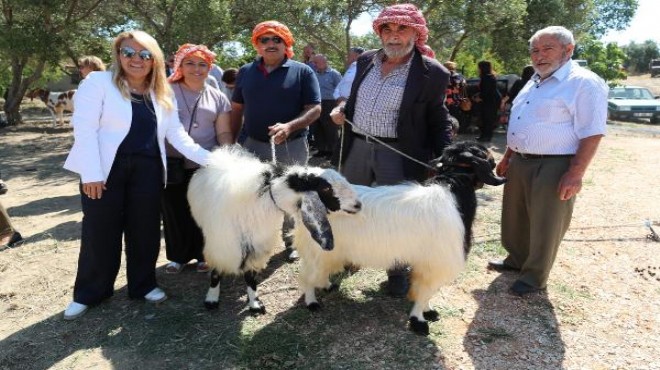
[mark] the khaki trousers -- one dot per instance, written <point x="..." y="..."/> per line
<point x="5" y="222"/>
<point x="534" y="220"/>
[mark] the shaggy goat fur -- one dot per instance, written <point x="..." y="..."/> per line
<point x="239" y="203"/>
<point x="427" y="227"/>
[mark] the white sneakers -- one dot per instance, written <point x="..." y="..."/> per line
<point x="155" y="296"/>
<point x="74" y="310"/>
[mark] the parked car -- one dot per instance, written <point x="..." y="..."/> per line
<point x="654" y="67"/>
<point x="626" y="102"/>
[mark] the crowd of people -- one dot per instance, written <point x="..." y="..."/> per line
<point x="142" y="129"/>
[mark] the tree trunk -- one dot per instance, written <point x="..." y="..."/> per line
<point x="18" y="87"/>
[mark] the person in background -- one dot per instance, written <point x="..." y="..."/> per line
<point x="120" y="122"/>
<point x="343" y="89"/>
<point x="397" y="97"/>
<point x="169" y="65"/>
<point x="526" y="75"/>
<point x="276" y="98"/>
<point x="228" y="82"/>
<point x="324" y="131"/>
<point x="557" y="122"/>
<point x="204" y="113"/>
<point x="489" y="98"/>
<point x="88" y="64"/>
<point x="308" y="55"/>
<point x="216" y="73"/>
<point x="455" y="92"/>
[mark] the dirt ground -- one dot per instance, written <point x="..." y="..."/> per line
<point x="601" y="309"/>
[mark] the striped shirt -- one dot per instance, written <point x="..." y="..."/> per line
<point x="379" y="99"/>
<point x="552" y="116"/>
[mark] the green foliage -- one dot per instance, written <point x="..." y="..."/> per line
<point x="639" y="55"/>
<point x="604" y="60"/>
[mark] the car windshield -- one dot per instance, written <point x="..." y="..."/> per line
<point x="631" y="93"/>
<point x="655" y="63"/>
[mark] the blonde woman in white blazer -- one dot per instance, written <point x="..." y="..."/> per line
<point x="121" y="120"/>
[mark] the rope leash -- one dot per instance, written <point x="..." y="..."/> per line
<point x="370" y="137"/>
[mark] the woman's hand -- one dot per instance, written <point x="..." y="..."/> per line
<point x="94" y="190"/>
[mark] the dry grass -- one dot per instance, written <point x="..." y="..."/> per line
<point x="600" y="310"/>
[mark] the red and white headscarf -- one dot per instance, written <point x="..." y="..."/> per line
<point x="278" y="29"/>
<point x="190" y="50"/>
<point x="407" y="15"/>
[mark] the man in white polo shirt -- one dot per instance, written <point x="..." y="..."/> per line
<point x="556" y="124"/>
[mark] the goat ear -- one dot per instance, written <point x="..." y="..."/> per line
<point x="483" y="169"/>
<point x="315" y="219"/>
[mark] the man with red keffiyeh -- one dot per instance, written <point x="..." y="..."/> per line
<point x="397" y="97"/>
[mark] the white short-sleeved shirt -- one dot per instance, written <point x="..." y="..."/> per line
<point x="552" y="116"/>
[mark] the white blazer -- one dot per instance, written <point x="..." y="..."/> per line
<point x="101" y="120"/>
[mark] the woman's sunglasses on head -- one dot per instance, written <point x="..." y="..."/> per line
<point x="128" y="53"/>
<point x="276" y="39"/>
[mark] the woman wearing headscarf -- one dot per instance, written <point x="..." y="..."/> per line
<point x="204" y="113"/>
<point x="121" y="119"/>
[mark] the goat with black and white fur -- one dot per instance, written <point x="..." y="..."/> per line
<point x="239" y="203"/>
<point x="427" y="227"/>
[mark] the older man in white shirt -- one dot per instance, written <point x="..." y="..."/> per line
<point x="343" y="90"/>
<point x="556" y="124"/>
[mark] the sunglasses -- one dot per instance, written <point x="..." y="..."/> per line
<point x="276" y="39"/>
<point x="128" y="53"/>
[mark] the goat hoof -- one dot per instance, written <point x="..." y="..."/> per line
<point x="431" y="315"/>
<point x="260" y="309"/>
<point x="332" y="288"/>
<point x="211" y="305"/>
<point x="419" y="327"/>
<point x="314" y="307"/>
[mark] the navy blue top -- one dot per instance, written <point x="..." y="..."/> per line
<point x="142" y="137"/>
<point x="278" y="96"/>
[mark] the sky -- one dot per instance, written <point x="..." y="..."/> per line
<point x="642" y="27"/>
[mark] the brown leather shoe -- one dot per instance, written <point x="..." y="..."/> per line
<point x="520" y="288"/>
<point x="499" y="265"/>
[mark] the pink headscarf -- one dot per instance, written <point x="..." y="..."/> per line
<point x="278" y="29"/>
<point x="187" y="50"/>
<point x="407" y="15"/>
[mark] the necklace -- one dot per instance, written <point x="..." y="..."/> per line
<point x="185" y="101"/>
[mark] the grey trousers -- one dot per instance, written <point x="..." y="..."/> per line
<point x="534" y="219"/>
<point x="370" y="162"/>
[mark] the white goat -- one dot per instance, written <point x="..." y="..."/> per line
<point x="239" y="203"/>
<point x="425" y="227"/>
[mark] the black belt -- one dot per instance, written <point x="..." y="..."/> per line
<point x="369" y="140"/>
<point x="540" y="156"/>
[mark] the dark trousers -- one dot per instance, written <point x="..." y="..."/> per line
<point x="534" y="219"/>
<point x="129" y="207"/>
<point x="183" y="238"/>
<point x="326" y="133"/>
<point x="488" y="120"/>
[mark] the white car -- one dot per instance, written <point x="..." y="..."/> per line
<point x="626" y="102"/>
